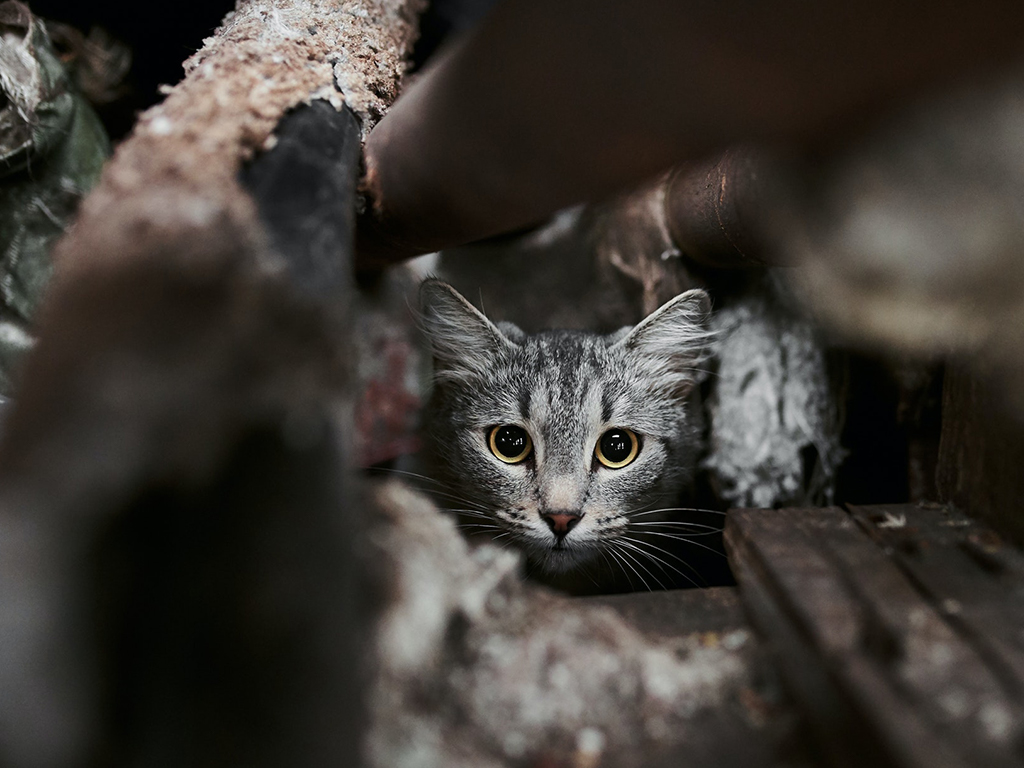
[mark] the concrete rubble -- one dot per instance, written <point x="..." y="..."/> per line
<point x="478" y="668"/>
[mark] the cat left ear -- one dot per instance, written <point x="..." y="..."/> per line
<point x="464" y="342"/>
<point x="675" y="338"/>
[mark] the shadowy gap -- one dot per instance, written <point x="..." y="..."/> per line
<point x="231" y="614"/>
<point x="160" y="36"/>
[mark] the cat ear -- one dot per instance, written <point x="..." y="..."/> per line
<point x="673" y="339"/>
<point x="512" y="332"/>
<point x="464" y="342"/>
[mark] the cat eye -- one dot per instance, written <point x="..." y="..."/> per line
<point x="617" y="447"/>
<point x="510" y="443"/>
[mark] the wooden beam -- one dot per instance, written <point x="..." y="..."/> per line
<point x="881" y="671"/>
<point x="981" y="452"/>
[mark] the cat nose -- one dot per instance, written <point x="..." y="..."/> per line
<point x="561" y="523"/>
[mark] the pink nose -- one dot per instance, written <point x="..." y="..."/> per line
<point x="561" y="523"/>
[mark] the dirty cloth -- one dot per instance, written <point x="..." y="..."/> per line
<point x="774" y="410"/>
<point x="52" y="147"/>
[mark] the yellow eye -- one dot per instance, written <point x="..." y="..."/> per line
<point x="617" y="447"/>
<point x="510" y="443"/>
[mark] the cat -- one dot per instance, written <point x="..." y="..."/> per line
<point x="567" y="444"/>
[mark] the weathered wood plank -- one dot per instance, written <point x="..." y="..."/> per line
<point x="836" y="727"/>
<point x="967" y="571"/>
<point x="881" y="652"/>
<point x="980" y="453"/>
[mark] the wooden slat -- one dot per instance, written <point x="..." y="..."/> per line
<point x="677" y="612"/>
<point x="980" y="452"/>
<point x="881" y="652"/>
<point x="966" y="570"/>
<point x="835" y="724"/>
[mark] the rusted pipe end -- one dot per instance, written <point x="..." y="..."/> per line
<point x="713" y="210"/>
<point x="377" y="240"/>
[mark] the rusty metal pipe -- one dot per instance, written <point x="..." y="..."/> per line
<point x="547" y="104"/>
<point x="715" y="212"/>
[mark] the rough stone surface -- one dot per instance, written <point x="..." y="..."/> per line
<point x="911" y="237"/>
<point x="171" y="338"/>
<point x="478" y="668"/>
<point x="182" y="161"/>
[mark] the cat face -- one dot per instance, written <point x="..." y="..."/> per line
<point x="557" y="441"/>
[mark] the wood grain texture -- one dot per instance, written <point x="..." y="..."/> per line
<point x="882" y="670"/>
<point x="981" y="453"/>
<point x="973" y="576"/>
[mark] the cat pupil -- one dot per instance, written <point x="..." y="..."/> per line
<point x="510" y="441"/>
<point x="616" y="445"/>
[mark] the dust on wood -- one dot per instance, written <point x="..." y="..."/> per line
<point x="866" y="637"/>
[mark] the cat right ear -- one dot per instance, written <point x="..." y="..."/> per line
<point x="464" y="342"/>
<point x="674" y="339"/>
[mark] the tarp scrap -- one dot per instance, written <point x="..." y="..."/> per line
<point x="52" y="147"/>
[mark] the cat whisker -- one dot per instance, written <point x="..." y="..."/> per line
<point x="636" y="545"/>
<point x="678" y="535"/>
<point x="635" y="555"/>
<point x="641" y="541"/>
<point x="442" y="491"/>
<point x="452" y="497"/>
<point x="405" y="473"/>
<point x="717" y="552"/>
<point x="624" y="564"/>
<point x="486" y="524"/>
<point x="611" y="563"/>
<point x="483" y="529"/>
<point x="469" y="513"/>
<point x="502" y="544"/>
<point x="623" y="548"/>
<point x="641" y="513"/>
<point x="693" y="529"/>
<point x="680" y="523"/>
<point x="589" y="567"/>
<point x="530" y="567"/>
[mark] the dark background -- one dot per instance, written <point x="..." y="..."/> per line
<point x="160" y="35"/>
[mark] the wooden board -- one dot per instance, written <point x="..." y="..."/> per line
<point x="980" y="453"/>
<point x="970" y="573"/>
<point x="899" y="638"/>
<point x="677" y="612"/>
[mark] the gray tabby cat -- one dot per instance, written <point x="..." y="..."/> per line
<point x="566" y="443"/>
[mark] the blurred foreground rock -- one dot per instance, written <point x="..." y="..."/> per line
<point x="479" y="669"/>
<point x="180" y="525"/>
<point x="912" y="236"/>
